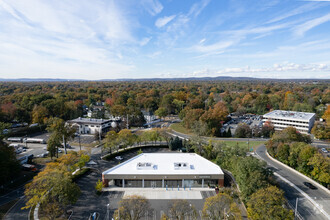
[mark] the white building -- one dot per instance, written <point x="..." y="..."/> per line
<point x="91" y="125"/>
<point x="148" y="116"/>
<point x="165" y="170"/>
<point x="302" y="121"/>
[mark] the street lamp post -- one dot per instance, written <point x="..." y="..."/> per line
<point x="108" y="216"/>
<point x="79" y="141"/>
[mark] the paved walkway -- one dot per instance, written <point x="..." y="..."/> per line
<point x="162" y="193"/>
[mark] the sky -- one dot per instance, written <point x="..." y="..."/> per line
<point x="105" y="39"/>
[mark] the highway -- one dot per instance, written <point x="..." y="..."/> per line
<point x="306" y="209"/>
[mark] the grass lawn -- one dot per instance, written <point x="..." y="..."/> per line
<point x="179" y="128"/>
<point x="243" y="144"/>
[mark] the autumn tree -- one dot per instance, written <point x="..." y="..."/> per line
<point x="221" y="206"/>
<point x="39" y="115"/>
<point x="125" y="138"/>
<point x="267" y="203"/>
<point x="52" y="188"/>
<point x="60" y="131"/>
<point x="133" y="207"/>
<point x="321" y="131"/>
<point x="111" y="140"/>
<point x="243" y="131"/>
<point x="180" y="209"/>
<point x="320" y="168"/>
<point x="326" y="115"/>
<point x="213" y="118"/>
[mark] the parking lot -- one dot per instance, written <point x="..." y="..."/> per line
<point x="251" y="120"/>
<point x="40" y="150"/>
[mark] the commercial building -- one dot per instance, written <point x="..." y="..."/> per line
<point x="92" y="125"/>
<point x="165" y="170"/>
<point x="302" y="121"/>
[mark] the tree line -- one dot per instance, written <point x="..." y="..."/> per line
<point x="202" y="104"/>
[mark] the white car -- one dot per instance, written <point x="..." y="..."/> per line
<point x="118" y="158"/>
<point x="324" y="150"/>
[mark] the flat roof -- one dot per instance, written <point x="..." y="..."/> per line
<point x="166" y="164"/>
<point x="306" y="116"/>
<point x="90" y="120"/>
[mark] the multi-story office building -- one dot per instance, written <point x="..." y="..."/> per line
<point x="302" y="121"/>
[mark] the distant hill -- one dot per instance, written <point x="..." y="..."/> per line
<point x="218" y="78"/>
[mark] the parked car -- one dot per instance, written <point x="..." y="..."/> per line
<point x="118" y="158"/>
<point x="309" y="185"/>
<point x="324" y="150"/>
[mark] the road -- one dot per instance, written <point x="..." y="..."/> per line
<point x="305" y="207"/>
<point x="16" y="211"/>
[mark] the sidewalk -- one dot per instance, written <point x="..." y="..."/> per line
<point x="162" y="193"/>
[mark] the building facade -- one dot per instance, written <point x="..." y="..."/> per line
<point x="302" y="121"/>
<point x="91" y="125"/>
<point x="165" y="170"/>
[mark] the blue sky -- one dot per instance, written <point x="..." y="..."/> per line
<point x="95" y="39"/>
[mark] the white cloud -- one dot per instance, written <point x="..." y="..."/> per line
<point x="145" y="41"/>
<point x="300" y="10"/>
<point x="161" y="22"/>
<point x="300" y="30"/>
<point x="219" y="46"/>
<point x="154" y="7"/>
<point x="197" y="8"/>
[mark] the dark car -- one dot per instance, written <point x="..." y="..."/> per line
<point x="309" y="185"/>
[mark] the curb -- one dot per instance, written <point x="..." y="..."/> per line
<point x="297" y="172"/>
<point x="35" y="213"/>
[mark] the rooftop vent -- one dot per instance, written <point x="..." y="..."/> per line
<point x="146" y="166"/>
<point x="181" y="166"/>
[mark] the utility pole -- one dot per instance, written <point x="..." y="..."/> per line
<point x="100" y="133"/>
<point x="64" y="144"/>
<point x="127" y="121"/>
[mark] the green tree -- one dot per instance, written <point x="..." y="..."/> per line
<point x="161" y="112"/>
<point x="9" y="166"/>
<point x="52" y="145"/>
<point x="267" y="203"/>
<point x="99" y="186"/>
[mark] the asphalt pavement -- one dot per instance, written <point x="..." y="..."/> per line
<point x="292" y="184"/>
